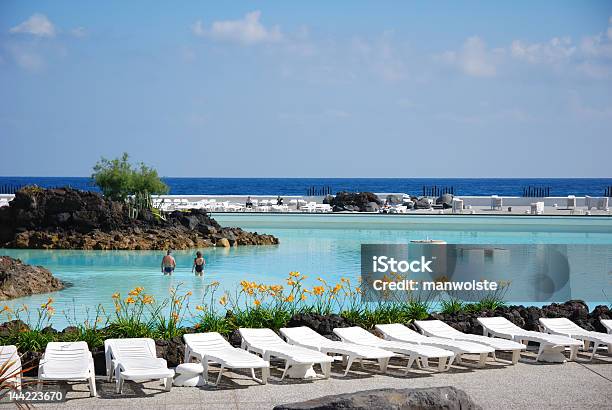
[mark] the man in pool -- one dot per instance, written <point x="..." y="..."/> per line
<point x="168" y="263"/>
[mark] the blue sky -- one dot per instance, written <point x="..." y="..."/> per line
<point x="308" y="89"/>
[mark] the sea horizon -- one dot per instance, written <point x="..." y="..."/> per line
<point x="301" y="186"/>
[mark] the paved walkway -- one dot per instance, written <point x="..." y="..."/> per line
<point x="523" y="386"/>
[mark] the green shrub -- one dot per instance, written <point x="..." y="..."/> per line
<point x="32" y="340"/>
<point x="451" y="306"/>
<point x="117" y="178"/>
<point x="90" y="330"/>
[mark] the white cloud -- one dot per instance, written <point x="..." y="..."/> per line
<point x="337" y="113"/>
<point x="246" y="31"/>
<point x="26" y="58"/>
<point x="597" y="45"/>
<point x="381" y="56"/>
<point x="79" y="32"/>
<point x="582" y="110"/>
<point x="198" y="28"/>
<point x="474" y="58"/>
<point x="37" y="25"/>
<point x="554" y="51"/>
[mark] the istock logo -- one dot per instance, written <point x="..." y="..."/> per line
<point x="385" y="264"/>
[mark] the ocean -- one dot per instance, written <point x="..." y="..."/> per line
<point x="301" y="186"/>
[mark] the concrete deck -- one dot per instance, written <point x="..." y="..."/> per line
<point x="522" y="386"/>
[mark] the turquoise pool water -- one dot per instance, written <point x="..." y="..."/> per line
<point x="330" y="250"/>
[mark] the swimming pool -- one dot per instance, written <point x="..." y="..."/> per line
<point x="324" y="245"/>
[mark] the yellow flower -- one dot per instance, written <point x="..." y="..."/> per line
<point x="215" y="283"/>
<point x="176" y="302"/>
<point x="306" y="290"/>
<point x="130" y="300"/>
<point x="175" y="316"/>
<point x="304" y="296"/>
<point x="133" y="292"/>
<point x="6" y="308"/>
<point x="256" y="302"/>
<point x="147" y="299"/>
<point x="117" y="308"/>
<point x="290" y="282"/>
<point x="200" y="307"/>
<point x="289" y="298"/>
<point x="358" y="290"/>
<point x="318" y="290"/>
<point x="337" y="288"/>
<point x="188" y="293"/>
<point x="116" y="295"/>
<point x="197" y="326"/>
<point x="223" y="300"/>
<point x="294" y="274"/>
<point x="262" y="288"/>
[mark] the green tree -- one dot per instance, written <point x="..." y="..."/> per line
<point x="117" y="178"/>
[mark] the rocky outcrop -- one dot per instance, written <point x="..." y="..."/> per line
<point x="528" y="317"/>
<point x="172" y="350"/>
<point x="70" y="219"/>
<point x="351" y="201"/>
<point x="446" y="200"/>
<point x="18" y="279"/>
<point x="447" y="397"/>
<point x="421" y="203"/>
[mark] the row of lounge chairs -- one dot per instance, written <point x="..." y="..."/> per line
<point x="136" y="359"/>
<point x="264" y="205"/>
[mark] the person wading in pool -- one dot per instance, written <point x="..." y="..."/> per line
<point x="198" y="264"/>
<point x="168" y="264"/>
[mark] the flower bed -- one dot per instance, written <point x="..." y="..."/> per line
<point x="322" y="308"/>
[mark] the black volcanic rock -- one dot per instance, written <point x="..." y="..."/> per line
<point x="528" y="317"/>
<point x="65" y="218"/>
<point x="432" y="398"/>
<point x="18" y="279"/>
<point x="354" y="201"/>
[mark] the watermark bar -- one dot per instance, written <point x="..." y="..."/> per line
<point x="533" y="273"/>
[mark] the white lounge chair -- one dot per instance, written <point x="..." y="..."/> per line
<point x="571" y="202"/>
<point x="565" y="327"/>
<point x="537" y="208"/>
<point x="212" y="347"/>
<point x="10" y="366"/>
<point x="135" y="359"/>
<point x="400" y="333"/>
<point x="496" y="202"/>
<point x="602" y="203"/>
<point x="71" y="361"/>
<point x="440" y="329"/>
<point x="607" y="323"/>
<point x="457" y="205"/>
<point x="420" y="354"/>
<point x="588" y="202"/>
<point x="308" y="338"/>
<point x="551" y="346"/>
<point x="298" y="360"/>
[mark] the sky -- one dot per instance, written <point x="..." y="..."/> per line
<point x="308" y="89"/>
